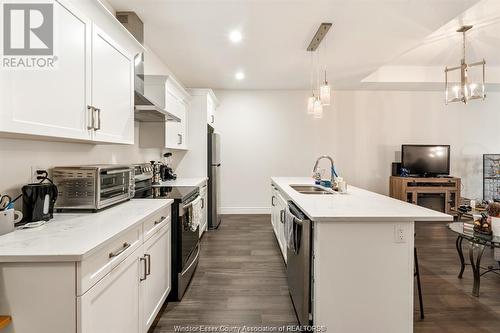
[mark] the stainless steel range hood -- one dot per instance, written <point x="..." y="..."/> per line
<point x="147" y="109"/>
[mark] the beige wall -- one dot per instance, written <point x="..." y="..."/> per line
<point x="268" y="133"/>
<point x="17" y="157"/>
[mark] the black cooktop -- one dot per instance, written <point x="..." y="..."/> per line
<point x="178" y="192"/>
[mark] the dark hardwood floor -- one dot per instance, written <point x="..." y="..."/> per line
<point x="449" y="304"/>
<point x="241" y="280"/>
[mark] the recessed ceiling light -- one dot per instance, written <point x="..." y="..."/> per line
<point x="239" y="76"/>
<point x="235" y="36"/>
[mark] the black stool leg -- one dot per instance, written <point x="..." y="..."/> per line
<point x="419" y="286"/>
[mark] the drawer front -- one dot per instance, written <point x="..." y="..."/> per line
<point x="95" y="267"/>
<point x="156" y="222"/>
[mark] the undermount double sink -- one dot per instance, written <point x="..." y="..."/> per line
<point x="311" y="189"/>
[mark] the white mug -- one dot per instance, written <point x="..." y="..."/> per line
<point x="8" y="218"/>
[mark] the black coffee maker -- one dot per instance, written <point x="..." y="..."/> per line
<point x="38" y="201"/>
<point x="167" y="173"/>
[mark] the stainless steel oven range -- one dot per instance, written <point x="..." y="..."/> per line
<point x="185" y="241"/>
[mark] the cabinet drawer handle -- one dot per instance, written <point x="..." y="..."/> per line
<point x="180" y="139"/>
<point x="212" y="118"/>
<point x="160" y="220"/>
<point x="272" y="200"/>
<point x="98" y="119"/>
<point x="120" y="251"/>
<point x="282" y="216"/>
<point x="142" y="259"/>
<point x="148" y="257"/>
<point x="92" y="118"/>
<point x="202" y="203"/>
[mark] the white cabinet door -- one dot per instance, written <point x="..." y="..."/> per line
<point x="283" y="207"/>
<point x="184" y="125"/>
<point x="52" y="102"/>
<point x="210" y="111"/>
<point x="173" y="137"/>
<point x="171" y="101"/>
<point x="112" y="305"/>
<point x="176" y="136"/>
<point x="112" y="90"/>
<point x="275" y="212"/>
<point x="157" y="284"/>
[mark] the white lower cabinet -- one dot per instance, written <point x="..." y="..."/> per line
<point x="155" y="283"/>
<point x="129" y="297"/>
<point x="112" y="305"/>
<point x="119" y="288"/>
<point x="278" y="209"/>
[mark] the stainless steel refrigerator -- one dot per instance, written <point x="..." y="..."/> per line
<point x="214" y="167"/>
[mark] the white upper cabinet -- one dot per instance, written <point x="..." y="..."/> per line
<point x="211" y="106"/>
<point x="206" y="103"/>
<point x="112" y="91"/>
<point x="170" y="95"/>
<point x="176" y="132"/>
<point x="52" y="102"/>
<point x="176" y="102"/>
<point x="90" y="70"/>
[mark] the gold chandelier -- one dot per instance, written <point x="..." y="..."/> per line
<point x="465" y="87"/>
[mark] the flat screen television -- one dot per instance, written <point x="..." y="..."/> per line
<point x="426" y="160"/>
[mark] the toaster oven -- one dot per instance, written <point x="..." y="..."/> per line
<point x="93" y="186"/>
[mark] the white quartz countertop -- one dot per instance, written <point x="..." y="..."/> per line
<point x="355" y="205"/>
<point x="73" y="236"/>
<point x="183" y="182"/>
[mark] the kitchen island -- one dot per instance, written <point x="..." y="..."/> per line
<point x="362" y="247"/>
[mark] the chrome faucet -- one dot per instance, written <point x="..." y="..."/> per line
<point x="332" y="169"/>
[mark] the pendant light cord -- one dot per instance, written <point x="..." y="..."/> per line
<point x="326" y="56"/>
<point x="463" y="42"/>
<point x="312" y="74"/>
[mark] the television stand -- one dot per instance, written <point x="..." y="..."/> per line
<point x="437" y="193"/>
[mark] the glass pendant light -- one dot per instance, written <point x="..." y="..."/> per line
<point x="310" y="104"/>
<point x="325" y="92"/>
<point x="318" y="106"/>
<point x="312" y="98"/>
<point x="318" y="109"/>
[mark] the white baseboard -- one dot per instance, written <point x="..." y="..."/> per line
<point x="245" y="210"/>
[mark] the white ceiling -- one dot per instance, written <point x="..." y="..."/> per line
<point x="423" y="65"/>
<point x="191" y="37"/>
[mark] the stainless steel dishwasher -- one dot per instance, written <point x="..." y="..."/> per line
<point x="299" y="263"/>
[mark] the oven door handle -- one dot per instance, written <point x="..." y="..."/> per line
<point x="194" y="260"/>
<point x="115" y="171"/>
<point x="191" y="203"/>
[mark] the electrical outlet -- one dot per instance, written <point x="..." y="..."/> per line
<point x="34" y="168"/>
<point x="399" y="233"/>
